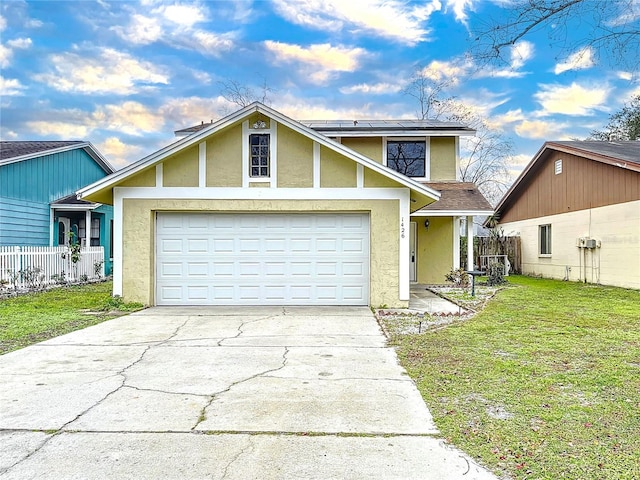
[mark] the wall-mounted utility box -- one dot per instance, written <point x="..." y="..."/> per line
<point x="591" y="243"/>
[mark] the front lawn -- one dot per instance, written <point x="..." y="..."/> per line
<point x="544" y="383"/>
<point x="35" y="317"/>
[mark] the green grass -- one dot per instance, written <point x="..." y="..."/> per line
<point x="35" y="317"/>
<point x="544" y="383"/>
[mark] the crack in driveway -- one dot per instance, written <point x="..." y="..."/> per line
<point x="203" y="412"/>
<point x="121" y="373"/>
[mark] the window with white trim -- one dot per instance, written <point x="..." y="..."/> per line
<point x="408" y="157"/>
<point x="544" y="236"/>
<point x="259" y="155"/>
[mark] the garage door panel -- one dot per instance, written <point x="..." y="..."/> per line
<point x="278" y="259"/>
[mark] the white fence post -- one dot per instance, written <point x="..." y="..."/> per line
<point x="29" y="267"/>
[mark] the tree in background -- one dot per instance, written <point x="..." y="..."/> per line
<point x="241" y="95"/>
<point x="484" y="157"/>
<point x="623" y="125"/>
<point x="608" y="29"/>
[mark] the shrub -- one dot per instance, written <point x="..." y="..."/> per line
<point x="495" y="274"/>
<point x="459" y="277"/>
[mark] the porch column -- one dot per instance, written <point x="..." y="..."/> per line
<point x="87" y="228"/>
<point x="456" y="242"/>
<point x="470" y="265"/>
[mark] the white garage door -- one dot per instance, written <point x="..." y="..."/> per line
<point x="262" y="259"/>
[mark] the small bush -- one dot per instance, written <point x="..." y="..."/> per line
<point x="117" y="303"/>
<point x="459" y="277"/>
<point x="495" y="274"/>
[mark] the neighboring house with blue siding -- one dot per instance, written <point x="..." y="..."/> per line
<point x="38" y="205"/>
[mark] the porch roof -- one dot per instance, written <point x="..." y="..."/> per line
<point x="456" y="198"/>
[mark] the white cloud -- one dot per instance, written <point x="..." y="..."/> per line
<point x="3" y="23"/>
<point x="382" y="88"/>
<point x="61" y="129"/>
<point x="580" y="60"/>
<point x="6" y="53"/>
<point x="520" y="53"/>
<point x="451" y="71"/>
<point x="118" y="153"/>
<point x="141" y="30"/>
<point x="175" y="25"/>
<point x="100" y="72"/>
<point x="571" y="100"/>
<point x="392" y="19"/>
<point x="21" y="43"/>
<point x="539" y="129"/>
<point x="188" y="111"/>
<point x="320" y="61"/>
<point x="499" y="122"/>
<point x="5" y="56"/>
<point x="460" y="8"/>
<point x="183" y="15"/>
<point x="201" y="77"/>
<point x="213" y="43"/>
<point x="131" y="118"/>
<point x="10" y="87"/>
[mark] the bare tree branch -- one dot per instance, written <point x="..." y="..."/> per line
<point x="610" y="27"/>
<point x="485" y="156"/>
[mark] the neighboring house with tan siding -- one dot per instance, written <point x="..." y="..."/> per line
<point x="576" y="208"/>
<point x="258" y="209"/>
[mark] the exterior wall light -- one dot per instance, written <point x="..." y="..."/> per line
<point x="426" y="223"/>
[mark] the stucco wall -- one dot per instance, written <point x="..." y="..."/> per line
<point x="224" y="158"/>
<point x="443" y="158"/>
<point x="618" y="259"/>
<point x="336" y="170"/>
<point x="181" y="170"/>
<point x="434" y="249"/>
<point x="139" y="234"/>
<point x="295" y="159"/>
<point x="369" y="147"/>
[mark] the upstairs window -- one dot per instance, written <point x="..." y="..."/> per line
<point x="407" y="157"/>
<point x="259" y="155"/>
<point x="544" y="232"/>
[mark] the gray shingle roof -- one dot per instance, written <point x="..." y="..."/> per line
<point x="18" y="149"/>
<point x="458" y="196"/>
<point x="628" y="151"/>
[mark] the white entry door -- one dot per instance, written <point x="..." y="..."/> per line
<point x="262" y="259"/>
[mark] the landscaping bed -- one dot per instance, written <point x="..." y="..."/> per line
<point x="542" y="383"/>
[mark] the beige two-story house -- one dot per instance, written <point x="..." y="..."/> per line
<point x="259" y="209"/>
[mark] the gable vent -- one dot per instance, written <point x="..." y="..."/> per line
<point x="558" y="166"/>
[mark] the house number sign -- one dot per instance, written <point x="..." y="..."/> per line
<point x="402" y="232"/>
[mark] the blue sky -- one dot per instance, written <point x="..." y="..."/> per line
<point x="124" y="75"/>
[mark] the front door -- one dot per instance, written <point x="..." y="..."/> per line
<point x="412" y="251"/>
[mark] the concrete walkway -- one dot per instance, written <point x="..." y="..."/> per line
<point x="233" y="393"/>
<point x="425" y="301"/>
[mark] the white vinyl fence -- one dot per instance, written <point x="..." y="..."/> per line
<point x="37" y="267"/>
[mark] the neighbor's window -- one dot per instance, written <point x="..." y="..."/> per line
<point x="407" y="157"/>
<point x="558" y="166"/>
<point x="259" y="155"/>
<point x="94" y="232"/>
<point x="545" y="239"/>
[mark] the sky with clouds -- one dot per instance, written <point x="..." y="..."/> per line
<point x="124" y="75"/>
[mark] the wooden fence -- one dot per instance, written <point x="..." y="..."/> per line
<point x="509" y="246"/>
<point x="37" y="267"/>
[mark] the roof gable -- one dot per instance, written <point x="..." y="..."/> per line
<point x="19" y="151"/>
<point x="624" y="155"/>
<point x="238" y="117"/>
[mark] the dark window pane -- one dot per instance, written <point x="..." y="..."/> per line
<point x="407" y="157"/>
<point x="255" y="171"/>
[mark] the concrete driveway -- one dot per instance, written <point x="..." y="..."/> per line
<point x="233" y="393"/>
